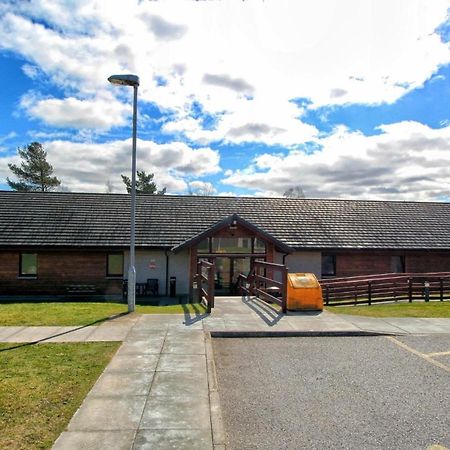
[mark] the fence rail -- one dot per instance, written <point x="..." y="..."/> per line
<point x="386" y="287"/>
<point x="205" y="284"/>
<point x="261" y="282"/>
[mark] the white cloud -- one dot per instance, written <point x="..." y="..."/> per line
<point x="71" y="112"/>
<point x="408" y="161"/>
<point x="243" y="62"/>
<point x="198" y="187"/>
<point x="162" y="29"/>
<point x="331" y="52"/>
<point x="87" y="167"/>
<point x="30" y="71"/>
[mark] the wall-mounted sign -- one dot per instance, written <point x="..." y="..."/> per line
<point x="152" y="264"/>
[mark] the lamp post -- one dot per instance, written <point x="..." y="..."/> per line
<point x="131" y="80"/>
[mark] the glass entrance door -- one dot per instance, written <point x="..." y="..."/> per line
<point x="227" y="273"/>
<point x="223" y="279"/>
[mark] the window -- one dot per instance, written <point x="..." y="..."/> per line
<point x="203" y="246"/>
<point x="259" y="246"/>
<point x="328" y="265"/>
<point x="114" y="265"/>
<point x="398" y="264"/>
<point x="28" y="265"/>
<point x="231" y="245"/>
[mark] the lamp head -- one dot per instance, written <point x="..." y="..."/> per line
<point x="124" y="80"/>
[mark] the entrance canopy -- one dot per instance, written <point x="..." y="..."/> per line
<point x="232" y="222"/>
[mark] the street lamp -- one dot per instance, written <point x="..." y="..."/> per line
<point x="131" y="80"/>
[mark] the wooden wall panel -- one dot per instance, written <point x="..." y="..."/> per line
<point x="56" y="271"/>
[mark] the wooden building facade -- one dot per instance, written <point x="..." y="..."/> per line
<point x="61" y="244"/>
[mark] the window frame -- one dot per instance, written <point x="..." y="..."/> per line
<point x="115" y="275"/>
<point x="27" y="275"/>
<point x="328" y="274"/>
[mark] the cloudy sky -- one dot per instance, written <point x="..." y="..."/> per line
<point x="344" y="98"/>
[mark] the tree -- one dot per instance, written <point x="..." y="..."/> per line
<point x="34" y="172"/>
<point x="201" y="188"/>
<point x="109" y="188"/>
<point x="144" y="184"/>
<point x="294" y="192"/>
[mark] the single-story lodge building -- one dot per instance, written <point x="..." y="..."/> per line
<point x="52" y="244"/>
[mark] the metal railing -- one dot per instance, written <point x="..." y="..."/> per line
<point x="205" y="284"/>
<point x="261" y="283"/>
<point x="370" y="289"/>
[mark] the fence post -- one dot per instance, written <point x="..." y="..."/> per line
<point x="409" y="290"/>
<point x="284" y="295"/>
<point x="208" y="292"/>
<point x="199" y="281"/>
<point x="211" y="273"/>
<point x="369" y="292"/>
<point x="441" y="289"/>
<point x="426" y="290"/>
<point x="327" y="296"/>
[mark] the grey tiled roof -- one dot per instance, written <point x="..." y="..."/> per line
<point x="94" y="220"/>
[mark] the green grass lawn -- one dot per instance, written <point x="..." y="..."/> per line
<point x="419" y="309"/>
<point x="41" y="387"/>
<point x="82" y="313"/>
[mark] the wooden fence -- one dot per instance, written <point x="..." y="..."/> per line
<point x="205" y="284"/>
<point x="370" y="289"/>
<point x="261" y="283"/>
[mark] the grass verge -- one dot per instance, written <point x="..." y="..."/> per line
<point x="78" y="313"/>
<point x="190" y="308"/>
<point x="42" y="386"/>
<point x="422" y="309"/>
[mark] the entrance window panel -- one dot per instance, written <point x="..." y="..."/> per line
<point x="231" y="245"/>
<point x="203" y="246"/>
<point x="240" y="265"/>
<point x="260" y="246"/>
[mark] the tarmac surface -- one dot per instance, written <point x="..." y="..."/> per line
<point x="333" y="392"/>
<point x="160" y="390"/>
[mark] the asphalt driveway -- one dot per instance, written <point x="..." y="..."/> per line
<point x="335" y="392"/>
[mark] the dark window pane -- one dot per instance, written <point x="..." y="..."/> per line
<point x="328" y="265"/>
<point x="231" y="245"/>
<point x="203" y="247"/>
<point x="260" y="246"/>
<point x="398" y="264"/>
<point x="115" y="264"/>
<point x="28" y="264"/>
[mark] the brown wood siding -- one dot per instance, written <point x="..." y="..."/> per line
<point x="366" y="262"/>
<point x="428" y="262"/>
<point x="56" y="271"/>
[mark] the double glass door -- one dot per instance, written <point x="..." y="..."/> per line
<point x="228" y="269"/>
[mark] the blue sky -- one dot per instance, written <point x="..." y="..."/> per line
<point x="344" y="99"/>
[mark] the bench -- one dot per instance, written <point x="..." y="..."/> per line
<point x="80" y="289"/>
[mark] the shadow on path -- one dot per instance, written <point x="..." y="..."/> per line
<point x="199" y="315"/>
<point x="104" y="319"/>
<point x="264" y="310"/>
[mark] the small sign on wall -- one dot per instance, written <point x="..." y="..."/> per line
<point x="152" y="264"/>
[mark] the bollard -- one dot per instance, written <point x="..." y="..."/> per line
<point x="426" y="290"/>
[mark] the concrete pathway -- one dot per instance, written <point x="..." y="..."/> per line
<point x="159" y="391"/>
<point x="153" y="394"/>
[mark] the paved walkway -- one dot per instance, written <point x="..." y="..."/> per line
<point x="159" y="391"/>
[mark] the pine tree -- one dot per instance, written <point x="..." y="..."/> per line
<point x="294" y="192"/>
<point x="34" y="172"/>
<point x="144" y="184"/>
